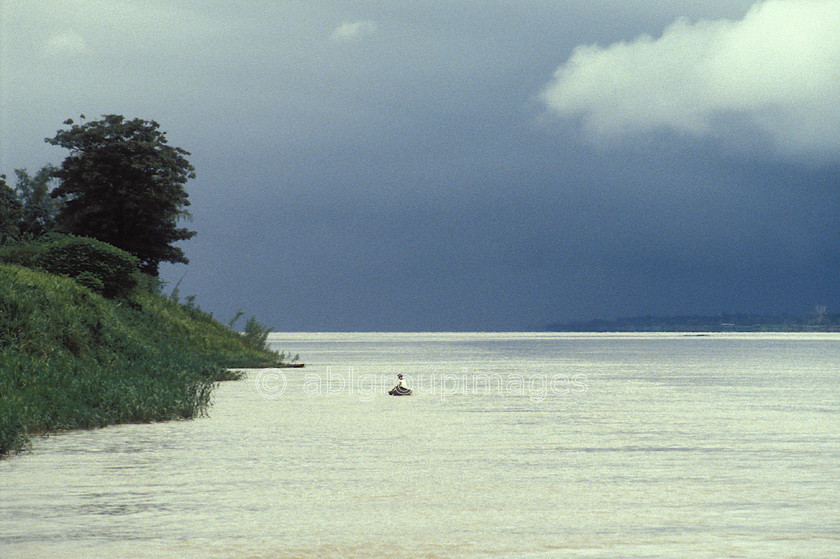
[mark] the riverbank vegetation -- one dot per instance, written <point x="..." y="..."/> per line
<point x="71" y="358"/>
<point x="86" y="337"/>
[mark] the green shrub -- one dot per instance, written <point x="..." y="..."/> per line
<point x="256" y="334"/>
<point x="22" y="254"/>
<point x="109" y="271"/>
<point x="91" y="281"/>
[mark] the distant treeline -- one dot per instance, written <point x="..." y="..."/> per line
<point x="819" y="321"/>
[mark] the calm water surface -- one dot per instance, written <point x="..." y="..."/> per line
<point x="513" y="445"/>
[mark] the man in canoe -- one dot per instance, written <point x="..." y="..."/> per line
<point x="400" y="388"/>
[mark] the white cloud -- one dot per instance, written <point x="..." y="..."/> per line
<point x="65" y="45"/>
<point x="777" y="72"/>
<point x="352" y="31"/>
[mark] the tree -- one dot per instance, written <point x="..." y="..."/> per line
<point x="39" y="208"/>
<point x="124" y="185"/>
<point x="10" y="213"/>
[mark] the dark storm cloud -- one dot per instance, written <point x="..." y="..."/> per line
<point x="370" y="165"/>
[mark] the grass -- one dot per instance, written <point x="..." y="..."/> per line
<point x="71" y="359"/>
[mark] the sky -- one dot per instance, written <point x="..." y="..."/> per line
<point x="480" y="165"/>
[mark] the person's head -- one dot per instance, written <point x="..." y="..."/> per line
<point x="399" y="375"/>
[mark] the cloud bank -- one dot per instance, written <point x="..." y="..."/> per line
<point x="775" y="72"/>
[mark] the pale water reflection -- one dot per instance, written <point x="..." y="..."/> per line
<point x="657" y="446"/>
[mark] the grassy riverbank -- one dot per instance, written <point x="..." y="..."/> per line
<point x="70" y="359"/>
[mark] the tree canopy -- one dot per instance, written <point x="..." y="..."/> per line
<point x="39" y="208"/>
<point x="124" y="185"/>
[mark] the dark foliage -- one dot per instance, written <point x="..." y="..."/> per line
<point x="124" y="185"/>
<point x="10" y="213"/>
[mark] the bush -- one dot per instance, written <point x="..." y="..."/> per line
<point x="110" y="271"/>
<point x="256" y="334"/>
<point x="22" y="254"/>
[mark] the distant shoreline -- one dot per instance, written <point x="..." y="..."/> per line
<point x="822" y="322"/>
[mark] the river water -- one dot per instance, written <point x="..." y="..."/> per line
<point x="513" y="445"/>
